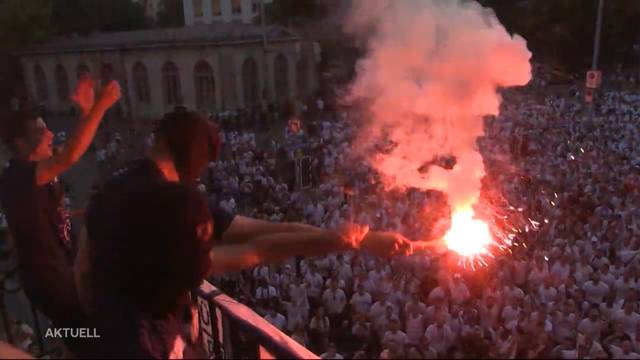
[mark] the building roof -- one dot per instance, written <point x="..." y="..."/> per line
<point x="210" y="34"/>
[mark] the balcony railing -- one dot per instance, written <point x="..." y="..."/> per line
<point x="230" y="330"/>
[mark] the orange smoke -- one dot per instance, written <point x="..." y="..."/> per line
<point x="430" y="75"/>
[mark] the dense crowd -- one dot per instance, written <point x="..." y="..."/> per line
<point x="568" y="290"/>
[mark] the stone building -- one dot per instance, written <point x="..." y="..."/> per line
<point x="211" y="67"/>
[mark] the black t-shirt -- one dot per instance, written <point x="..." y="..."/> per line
<point x="36" y="216"/>
<point x="40" y="225"/>
<point x="127" y="333"/>
<point x="141" y="172"/>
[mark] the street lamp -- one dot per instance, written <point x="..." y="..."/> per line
<point x="596" y="54"/>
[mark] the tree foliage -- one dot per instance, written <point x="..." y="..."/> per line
<point x="295" y="12"/>
<point x="86" y="16"/>
<point x="562" y="31"/>
<point x="23" y="22"/>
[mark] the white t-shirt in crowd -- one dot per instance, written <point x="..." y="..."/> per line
<point x="628" y="322"/>
<point x="459" y="292"/>
<point x="547" y="294"/>
<point x="618" y="353"/>
<point x="278" y="320"/>
<point x="264" y="293"/>
<point x="414" y="327"/>
<point x="334" y="301"/>
<point x="440" y="338"/>
<point x="398" y="337"/>
<point x="591" y="328"/>
<point x="361" y="303"/>
<point x="595" y="293"/>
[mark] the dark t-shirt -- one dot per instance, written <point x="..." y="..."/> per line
<point x="128" y="333"/>
<point x="142" y="172"/>
<point x="40" y="225"/>
<point x="36" y="215"/>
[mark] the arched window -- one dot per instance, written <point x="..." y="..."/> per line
<point x="302" y="76"/>
<point x="141" y="83"/>
<point x="197" y="8"/>
<point x="205" y="86"/>
<point x="41" y="83"/>
<point x="62" y="83"/>
<point x="281" y="77"/>
<point x="236" y="7"/>
<point x="82" y="69"/>
<point x="250" y="81"/>
<point x="171" y="84"/>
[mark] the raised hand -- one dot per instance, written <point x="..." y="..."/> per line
<point x="84" y="95"/>
<point x="109" y="95"/>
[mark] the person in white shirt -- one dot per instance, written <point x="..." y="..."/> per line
<point x="360" y="301"/>
<point x="565" y="322"/>
<point x="334" y="300"/>
<point x="459" y="291"/>
<point x="627" y="318"/>
<point x="331" y="353"/>
<point x="414" y="325"/>
<point x="510" y="312"/>
<point x="623" y="284"/>
<point x="440" y="336"/>
<point x="379" y="309"/>
<point x="606" y="276"/>
<point x="561" y="269"/>
<point x="315" y="281"/>
<point x="394" y="334"/>
<point x="415" y="302"/>
<point x="265" y="291"/>
<point x="547" y="293"/>
<point x="276" y="319"/>
<point x="595" y="290"/>
<point x="592" y="325"/>
<point x="297" y="312"/>
<point x="624" y="351"/>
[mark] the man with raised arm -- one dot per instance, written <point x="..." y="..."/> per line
<point x="32" y="199"/>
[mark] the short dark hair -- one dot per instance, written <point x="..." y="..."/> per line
<point x="145" y="251"/>
<point x="15" y="125"/>
<point x="192" y="141"/>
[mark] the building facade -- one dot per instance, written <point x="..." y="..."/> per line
<point x="227" y="11"/>
<point x="212" y="68"/>
<point x="151" y="7"/>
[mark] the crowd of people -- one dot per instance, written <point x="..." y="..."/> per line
<point x="568" y="290"/>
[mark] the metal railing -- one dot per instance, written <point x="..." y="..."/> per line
<point x="230" y="330"/>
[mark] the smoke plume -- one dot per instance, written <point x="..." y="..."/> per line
<point x="431" y="73"/>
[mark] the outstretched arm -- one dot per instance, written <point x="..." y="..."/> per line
<point x="276" y="247"/>
<point x="90" y="117"/>
<point x="244" y="229"/>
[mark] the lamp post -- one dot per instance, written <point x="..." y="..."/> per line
<point x="265" y="71"/>
<point x="596" y="51"/>
<point x="596" y="41"/>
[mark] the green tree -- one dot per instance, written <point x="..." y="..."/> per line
<point x="85" y="16"/>
<point x="562" y="31"/>
<point x="22" y="23"/>
<point x="294" y="12"/>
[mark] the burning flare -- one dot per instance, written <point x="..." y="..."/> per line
<point x="468" y="236"/>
